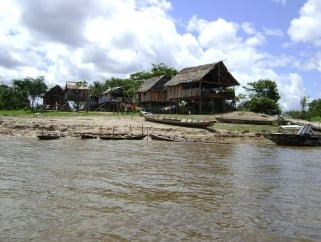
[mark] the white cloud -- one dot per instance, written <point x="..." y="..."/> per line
<point x="291" y="89"/>
<point x="306" y="27"/>
<point x="273" y="32"/>
<point x="248" y="28"/>
<point x="98" y="39"/>
<point x="218" y="34"/>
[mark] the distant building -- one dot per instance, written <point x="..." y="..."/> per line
<point x="76" y="91"/>
<point x="202" y="89"/>
<point x="113" y="100"/>
<point x="53" y="98"/>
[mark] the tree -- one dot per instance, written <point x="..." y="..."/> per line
<point x="157" y="70"/>
<point x="264" y="97"/>
<point x="30" y="89"/>
<point x="304" y="104"/>
<point x="19" y="94"/>
<point x="315" y="108"/>
<point x="37" y="88"/>
<point x="97" y="88"/>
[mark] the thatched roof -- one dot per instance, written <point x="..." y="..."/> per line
<point x="54" y="91"/>
<point x="154" y="83"/>
<point x="215" y="73"/>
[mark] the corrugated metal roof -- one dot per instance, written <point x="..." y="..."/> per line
<point x="77" y="85"/>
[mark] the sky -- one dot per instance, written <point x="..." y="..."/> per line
<point x="94" y="40"/>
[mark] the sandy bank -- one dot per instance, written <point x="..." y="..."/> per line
<point x="75" y="126"/>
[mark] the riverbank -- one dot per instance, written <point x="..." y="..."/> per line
<point x="74" y="126"/>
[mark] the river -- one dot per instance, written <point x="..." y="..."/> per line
<point x="95" y="190"/>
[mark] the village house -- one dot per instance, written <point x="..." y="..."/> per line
<point x="152" y="95"/>
<point x="53" y="98"/>
<point x="202" y="89"/>
<point x="76" y="92"/>
<point x="114" y="100"/>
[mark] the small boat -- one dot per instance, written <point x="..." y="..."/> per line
<point x="304" y="137"/>
<point x="122" y="136"/>
<point x="88" y="136"/>
<point x="161" y="137"/>
<point x="192" y="123"/>
<point x="49" y="135"/>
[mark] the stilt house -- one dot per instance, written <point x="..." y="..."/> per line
<point x="202" y="89"/>
<point x="152" y="95"/>
<point x="76" y="91"/>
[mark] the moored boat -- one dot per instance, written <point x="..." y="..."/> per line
<point x="161" y="137"/>
<point x="49" y="135"/>
<point x="122" y="136"/>
<point x="192" y="123"/>
<point x="304" y="137"/>
<point x="88" y="136"/>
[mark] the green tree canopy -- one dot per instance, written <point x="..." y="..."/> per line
<point x="97" y="88"/>
<point x="157" y="70"/>
<point x="37" y="87"/>
<point x="315" y="108"/>
<point x="264" y="97"/>
<point x="23" y="94"/>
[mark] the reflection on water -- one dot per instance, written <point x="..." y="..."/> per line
<point x="94" y="190"/>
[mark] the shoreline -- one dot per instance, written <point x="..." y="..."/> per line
<point x="75" y="126"/>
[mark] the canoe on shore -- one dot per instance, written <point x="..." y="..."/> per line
<point x="192" y="123"/>
<point x="122" y="136"/>
<point x="88" y="136"/>
<point x="154" y="136"/>
<point x="49" y="135"/>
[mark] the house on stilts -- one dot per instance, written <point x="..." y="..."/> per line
<point x="152" y="95"/>
<point x="202" y="89"/>
<point x="77" y="93"/>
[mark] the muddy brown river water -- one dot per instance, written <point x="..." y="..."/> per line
<point x="94" y="190"/>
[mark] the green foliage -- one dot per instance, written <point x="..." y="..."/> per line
<point x="23" y="93"/>
<point x="157" y="70"/>
<point x="263" y="105"/>
<point x="294" y="114"/>
<point x="12" y="98"/>
<point x="316" y="119"/>
<point x="315" y="108"/>
<point x="264" y="97"/>
<point x="97" y="88"/>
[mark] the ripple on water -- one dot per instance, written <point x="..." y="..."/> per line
<point x="71" y="189"/>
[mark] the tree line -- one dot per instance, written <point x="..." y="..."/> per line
<point x="25" y="93"/>
<point x="262" y="96"/>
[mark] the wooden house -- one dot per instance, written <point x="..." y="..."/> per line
<point x="53" y="98"/>
<point x="152" y="94"/>
<point x="112" y="100"/>
<point x="202" y="89"/>
<point x="76" y="91"/>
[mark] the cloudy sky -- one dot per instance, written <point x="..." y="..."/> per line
<point x="70" y="40"/>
